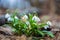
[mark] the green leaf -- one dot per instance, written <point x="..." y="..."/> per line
<point x="40" y="32"/>
<point x="49" y="33"/>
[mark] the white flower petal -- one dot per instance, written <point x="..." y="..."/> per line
<point x="7" y="15"/>
<point x="16" y="17"/>
<point x="27" y="22"/>
<point x="25" y="16"/>
<point x="49" y="23"/>
<point x="9" y="19"/>
<point x="45" y="27"/>
<point x="36" y="19"/>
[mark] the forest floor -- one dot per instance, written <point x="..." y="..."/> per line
<point x="23" y="37"/>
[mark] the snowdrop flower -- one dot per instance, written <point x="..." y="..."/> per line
<point x="49" y="23"/>
<point x="16" y="17"/>
<point x="45" y="27"/>
<point x="36" y="19"/>
<point x="25" y="16"/>
<point x="7" y="15"/>
<point x="9" y="19"/>
<point x="27" y="22"/>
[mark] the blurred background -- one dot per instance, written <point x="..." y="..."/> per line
<point x="45" y="6"/>
<point x="46" y="9"/>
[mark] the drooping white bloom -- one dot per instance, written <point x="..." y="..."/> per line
<point x="36" y="19"/>
<point x="27" y="22"/>
<point x="16" y="17"/>
<point x="7" y="15"/>
<point x="9" y="19"/>
<point x="47" y="26"/>
<point x="49" y="23"/>
<point x="25" y="16"/>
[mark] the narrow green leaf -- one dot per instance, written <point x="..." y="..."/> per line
<point x="40" y="32"/>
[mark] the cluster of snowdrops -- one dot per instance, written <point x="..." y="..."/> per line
<point x="29" y="25"/>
